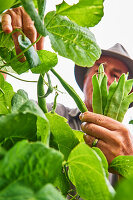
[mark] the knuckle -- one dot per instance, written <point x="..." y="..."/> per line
<point x="30" y="28"/>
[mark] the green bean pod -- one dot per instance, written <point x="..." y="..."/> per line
<point x="31" y="54"/>
<point x="55" y="103"/>
<point x="97" y="97"/>
<point x="71" y="92"/>
<point x="50" y="87"/>
<point x="128" y="87"/>
<point x="41" y="92"/>
<point x="112" y="89"/>
<point x="100" y="73"/>
<point x="117" y="98"/>
<point x="34" y="16"/>
<point x="41" y="8"/>
<point x="104" y="92"/>
<point x="124" y="107"/>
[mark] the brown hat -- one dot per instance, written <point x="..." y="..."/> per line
<point x="117" y="51"/>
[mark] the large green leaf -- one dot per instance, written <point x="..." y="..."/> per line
<point x="87" y="174"/>
<point x="48" y="60"/>
<point x="6" y="94"/>
<point x="43" y="128"/>
<point x="103" y="159"/>
<point x="123" y="165"/>
<point x="62" y="132"/>
<point x="124" y="189"/>
<point x="17" y="191"/>
<point x="19" y="99"/>
<point x="25" y="122"/>
<point x="31" y="164"/>
<point x="72" y="41"/>
<point x="85" y="13"/>
<point x="18" y="125"/>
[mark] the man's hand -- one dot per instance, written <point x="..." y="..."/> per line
<point x="114" y="138"/>
<point x="18" y="18"/>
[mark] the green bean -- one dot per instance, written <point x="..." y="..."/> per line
<point x="100" y="73"/>
<point x="71" y="92"/>
<point x="97" y="98"/>
<point x="31" y="54"/>
<point x="104" y="92"/>
<point x="41" y="92"/>
<point x="128" y="87"/>
<point x="41" y="8"/>
<point x="112" y="89"/>
<point x="50" y="87"/>
<point x="117" y="98"/>
<point x="55" y="103"/>
<point x="30" y="9"/>
<point x="124" y="106"/>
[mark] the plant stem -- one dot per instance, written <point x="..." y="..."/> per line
<point x="17" y="77"/>
<point x="41" y="92"/>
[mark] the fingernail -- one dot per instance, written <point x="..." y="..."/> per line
<point x="81" y="116"/>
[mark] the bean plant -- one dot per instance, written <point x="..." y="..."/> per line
<point x="40" y="155"/>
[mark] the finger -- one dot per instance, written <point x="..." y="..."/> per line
<point x="98" y="132"/>
<point x="29" y="28"/>
<point x="16" y="23"/>
<point x="101" y="120"/>
<point x="40" y="43"/>
<point x="104" y="147"/>
<point x="6" y="23"/>
<point x="90" y="139"/>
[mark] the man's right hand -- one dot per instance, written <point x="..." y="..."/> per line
<point x="18" y="18"/>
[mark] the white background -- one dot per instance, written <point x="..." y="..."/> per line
<point x="115" y="27"/>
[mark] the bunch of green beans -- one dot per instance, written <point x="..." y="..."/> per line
<point x="112" y="102"/>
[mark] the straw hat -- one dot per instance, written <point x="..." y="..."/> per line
<point x="117" y="51"/>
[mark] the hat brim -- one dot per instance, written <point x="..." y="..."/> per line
<point x="81" y="71"/>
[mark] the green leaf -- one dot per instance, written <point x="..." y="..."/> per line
<point x="87" y="174"/>
<point x="19" y="67"/>
<point x="6" y="40"/>
<point x="79" y="135"/>
<point x="2" y="152"/>
<point x="18" y="125"/>
<point x="48" y="61"/>
<point x="62" y="183"/>
<point x="103" y="159"/>
<point x="48" y="192"/>
<point x="28" y="122"/>
<point x="85" y="13"/>
<point x="16" y="191"/>
<point x="31" y="164"/>
<point x="6" y="4"/>
<point x="62" y="132"/>
<point x="19" y="99"/>
<point x="12" y="61"/>
<point x="6" y="94"/>
<point x="123" y="165"/>
<point x="72" y="41"/>
<point x="125" y="189"/>
<point x="43" y="128"/>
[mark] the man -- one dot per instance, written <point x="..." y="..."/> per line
<point x="113" y="137"/>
